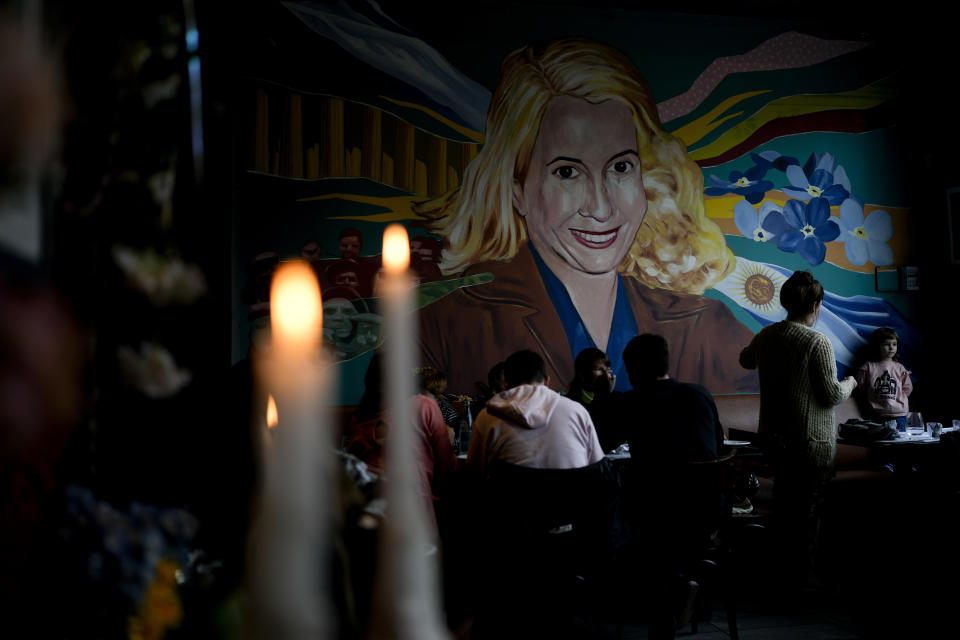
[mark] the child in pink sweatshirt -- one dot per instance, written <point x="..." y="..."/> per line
<point x="883" y="382"/>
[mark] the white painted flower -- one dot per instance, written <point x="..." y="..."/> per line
<point x="865" y="239"/>
<point x="162" y="280"/>
<point x="151" y="370"/>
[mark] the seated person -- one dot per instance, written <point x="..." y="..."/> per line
<point x="668" y="424"/>
<point x="369" y="432"/>
<point x="679" y="423"/>
<point x="592" y="378"/>
<point x="495" y="384"/>
<point x="367" y="429"/>
<point x="531" y="425"/>
<point x="433" y="385"/>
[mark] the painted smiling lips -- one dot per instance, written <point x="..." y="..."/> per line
<point x="595" y="240"/>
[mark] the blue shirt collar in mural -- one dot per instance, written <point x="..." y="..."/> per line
<point x="622" y="329"/>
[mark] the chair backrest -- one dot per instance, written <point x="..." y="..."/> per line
<point x="713" y="477"/>
<point x="529" y="506"/>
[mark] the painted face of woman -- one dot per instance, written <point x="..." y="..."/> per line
<point x="583" y="198"/>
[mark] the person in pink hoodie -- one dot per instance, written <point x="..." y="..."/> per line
<point x="531" y="425"/>
<point x="883" y="384"/>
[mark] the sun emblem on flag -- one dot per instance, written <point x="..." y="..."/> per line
<point x="758" y="287"/>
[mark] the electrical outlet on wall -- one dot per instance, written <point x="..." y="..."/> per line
<point x="910" y="277"/>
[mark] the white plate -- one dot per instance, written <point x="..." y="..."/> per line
<point x="736" y="443"/>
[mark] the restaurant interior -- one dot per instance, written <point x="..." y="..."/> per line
<point x="177" y="457"/>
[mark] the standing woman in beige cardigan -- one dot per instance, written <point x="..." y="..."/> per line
<point x="798" y="390"/>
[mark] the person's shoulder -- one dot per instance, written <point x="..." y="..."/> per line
<point x="571" y="406"/>
<point x="423" y="403"/>
<point x="797" y="331"/>
<point x="697" y="390"/>
<point x="564" y="400"/>
<point x="818" y="337"/>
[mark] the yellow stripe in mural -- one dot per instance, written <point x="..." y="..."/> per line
<point x="476" y="136"/>
<point x="398" y="207"/>
<point x="695" y="131"/>
<point x="721" y="207"/>
<point x="860" y="99"/>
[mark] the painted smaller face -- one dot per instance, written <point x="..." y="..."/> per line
<point x="422" y="249"/>
<point x="368" y="334"/>
<point x="583" y="198"/>
<point x="336" y="317"/>
<point x="311" y="251"/>
<point x="888" y="348"/>
<point x="349" y="247"/>
<point x="347" y="279"/>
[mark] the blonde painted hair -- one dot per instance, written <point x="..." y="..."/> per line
<point x="676" y="248"/>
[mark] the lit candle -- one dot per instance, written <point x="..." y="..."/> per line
<point x="272" y="418"/>
<point x="289" y="536"/>
<point x="406" y="602"/>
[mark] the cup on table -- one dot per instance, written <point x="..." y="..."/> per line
<point x="956" y="424"/>
<point x="914" y="424"/>
<point x="934" y="429"/>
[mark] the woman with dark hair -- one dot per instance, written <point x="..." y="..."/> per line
<point x="368" y="428"/>
<point x="798" y="390"/>
<point x="592" y="385"/>
<point x="369" y="432"/>
<point x="433" y="385"/>
<point x="590" y="369"/>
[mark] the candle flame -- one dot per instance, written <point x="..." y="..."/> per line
<point x="296" y="311"/>
<point x="272" y="418"/>
<point x="396" y="249"/>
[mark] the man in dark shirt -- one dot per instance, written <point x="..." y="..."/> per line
<point x="679" y="421"/>
<point x="674" y="502"/>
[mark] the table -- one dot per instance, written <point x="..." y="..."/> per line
<point x="906" y="453"/>
<point x="623" y="451"/>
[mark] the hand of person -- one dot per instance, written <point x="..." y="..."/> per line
<point x="851" y="379"/>
<point x="451" y="434"/>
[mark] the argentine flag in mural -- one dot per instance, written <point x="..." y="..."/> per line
<point x="846" y="321"/>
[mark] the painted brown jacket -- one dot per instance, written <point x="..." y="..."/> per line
<point x="469" y="330"/>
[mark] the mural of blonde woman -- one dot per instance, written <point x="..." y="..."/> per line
<point x="591" y="219"/>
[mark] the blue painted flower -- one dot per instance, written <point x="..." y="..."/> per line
<point x="749" y="184"/>
<point x="750" y="223"/>
<point x="865" y="239"/>
<point x="773" y="160"/>
<point x="818" y="179"/>
<point x="804" y="228"/>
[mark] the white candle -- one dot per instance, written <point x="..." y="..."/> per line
<point x="406" y="603"/>
<point x="289" y="537"/>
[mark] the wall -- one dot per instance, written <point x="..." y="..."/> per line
<point x="351" y="120"/>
